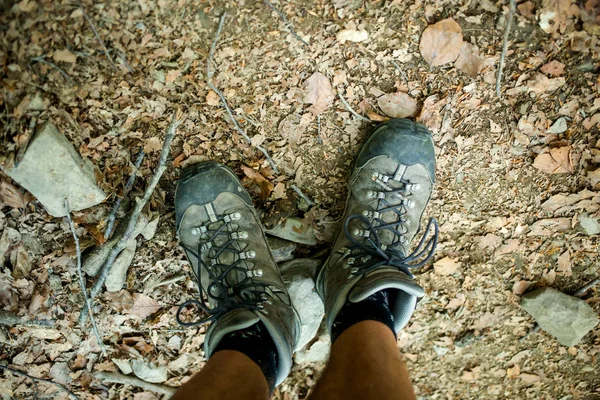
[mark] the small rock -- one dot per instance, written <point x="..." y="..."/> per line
<point x="149" y="372"/>
<point x="318" y="352"/>
<point x="60" y="373"/>
<point x="298" y="276"/>
<point x="295" y="230"/>
<point x="52" y="170"/>
<point x="123" y="365"/>
<point x="282" y="250"/>
<point x="118" y="273"/>
<point x="560" y="126"/>
<point x="565" y="317"/>
<point x="9" y="236"/>
<point x="589" y="225"/>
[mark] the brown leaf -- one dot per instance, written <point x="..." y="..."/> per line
<point x="257" y="183"/>
<point x="557" y="161"/>
<point x="593" y="177"/>
<point x="554" y="68"/>
<point x="446" y="266"/>
<point x="398" y="105"/>
<point x="513" y="372"/>
<point x="550" y="226"/>
<point x="376" y="117"/>
<point x="564" y="263"/>
<point x="318" y="92"/>
<point x="469" y="61"/>
<point x="520" y="287"/>
<point x="212" y="98"/>
<point x="441" y="42"/>
<point x="540" y="83"/>
<point x="143" y="306"/>
<point x="64" y="56"/>
<point x="11" y="195"/>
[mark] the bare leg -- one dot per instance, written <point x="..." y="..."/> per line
<point x="228" y="375"/>
<point x="365" y="364"/>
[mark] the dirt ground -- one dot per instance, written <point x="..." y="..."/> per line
<point x="512" y="188"/>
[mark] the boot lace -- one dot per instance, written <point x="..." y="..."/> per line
<point x="366" y="251"/>
<point x="244" y="293"/>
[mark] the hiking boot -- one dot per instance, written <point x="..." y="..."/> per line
<point x="390" y="187"/>
<point x="240" y="284"/>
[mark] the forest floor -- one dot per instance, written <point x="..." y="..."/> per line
<point x="516" y="199"/>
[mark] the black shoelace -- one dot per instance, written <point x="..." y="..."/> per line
<point x="246" y="293"/>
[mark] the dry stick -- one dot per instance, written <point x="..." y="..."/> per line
<point x="115" y="377"/>
<point x="511" y="13"/>
<point x="8" y="319"/>
<point x="209" y="76"/>
<point x="88" y="303"/>
<point x="302" y="195"/>
<point x="42" y="59"/>
<point x="586" y="287"/>
<point x="91" y="23"/>
<point x="110" y="221"/>
<point x="287" y="23"/>
<point x="351" y="110"/>
<point x="35" y="380"/>
<point x="135" y="215"/>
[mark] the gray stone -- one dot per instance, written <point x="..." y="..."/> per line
<point x="560" y="126"/>
<point x="282" y="250"/>
<point x="317" y="352"/>
<point x="52" y="170"/>
<point x="295" y="230"/>
<point x="590" y="225"/>
<point x="565" y="317"/>
<point x="298" y="276"/>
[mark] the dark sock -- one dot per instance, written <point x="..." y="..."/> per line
<point x="373" y="308"/>
<point x="257" y="344"/>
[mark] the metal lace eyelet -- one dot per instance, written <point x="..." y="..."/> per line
<point x="239" y="235"/>
<point x="350" y="260"/>
<point x="206" y="246"/>
<point x="254" y="273"/>
<point x="247" y="254"/>
<point x="354" y="270"/>
<point x="232" y="217"/>
<point x="197" y="230"/>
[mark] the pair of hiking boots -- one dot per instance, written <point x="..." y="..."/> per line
<point x="240" y="284"/>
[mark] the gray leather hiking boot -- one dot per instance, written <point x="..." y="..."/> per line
<point x="390" y="187"/>
<point x="239" y="281"/>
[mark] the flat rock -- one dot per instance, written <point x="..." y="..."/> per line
<point x="317" y="352"/>
<point x="295" y="230"/>
<point x="565" y="317"/>
<point x="282" y="250"/>
<point x="298" y="276"/>
<point x="52" y="170"/>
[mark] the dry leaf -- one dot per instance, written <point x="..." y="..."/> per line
<point x="352" y="35"/>
<point x="212" y="98"/>
<point x="540" y="83"/>
<point x="257" y="183"/>
<point x="469" y="61"/>
<point x="529" y="378"/>
<point x="554" y="68"/>
<point x="64" y="56"/>
<point x="398" y="105"/>
<point x="376" y="117"/>
<point x="318" y="92"/>
<point x="557" y="161"/>
<point x="11" y="195"/>
<point x="143" y="306"/>
<point x="520" y="287"/>
<point x="441" y="42"/>
<point x="152" y="145"/>
<point x="550" y="226"/>
<point x="564" y="263"/>
<point x="593" y="177"/>
<point x="446" y="266"/>
<point x="279" y="191"/>
<point x="513" y="372"/>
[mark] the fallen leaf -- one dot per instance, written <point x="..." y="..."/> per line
<point x="352" y="35"/>
<point x="257" y="183"/>
<point x="64" y="56"/>
<point x="318" y="92"/>
<point x="554" y="68"/>
<point x="152" y="145"/>
<point x="143" y="306"/>
<point x="550" y="226"/>
<point x="520" y="287"/>
<point x="593" y="177"/>
<point x="398" y="105"/>
<point x="469" y="60"/>
<point x="212" y="98"/>
<point x="513" y="372"/>
<point x="441" y="42"/>
<point x="149" y="372"/>
<point x="11" y="195"/>
<point x="540" y="83"/>
<point x="557" y="161"/>
<point x="564" y="263"/>
<point x="529" y="378"/>
<point x="376" y="117"/>
<point x="279" y="191"/>
<point x="446" y="266"/>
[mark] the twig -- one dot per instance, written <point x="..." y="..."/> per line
<point x="160" y="169"/>
<point x="8" y="319"/>
<point x="351" y="110"/>
<point x="88" y="303"/>
<point x="91" y="23"/>
<point x="511" y="13"/>
<point x="395" y="64"/>
<point x="302" y="195"/>
<point x="580" y="292"/>
<point x="115" y="377"/>
<point x="287" y="23"/>
<point x="110" y="221"/>
<point x="35" y="380"/>
<point x="42" y="59"/>
<point x="209" y="76"/>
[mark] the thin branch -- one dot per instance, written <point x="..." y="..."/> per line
<point x="580" y="292"/>
<point x="287" y="23"/>
<point x="511" y="13"/>
<point x="209" y="76"/>
<point x="110" y="221"/>
<point x="35" y="380"/>
<point x="357" y="115"/>
<point x="135" y="215"/>
<point x="8" y="319"/>
<point x="115" y="377"/>
<point x="88" y="303"/>
<point x="302" y="195"/>
<point x="42" y="59"/>
<point x="91" y="23"/>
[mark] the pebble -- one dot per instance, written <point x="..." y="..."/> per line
<point x="295" y="230"/>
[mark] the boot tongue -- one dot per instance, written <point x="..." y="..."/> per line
<point x="234" y="320"/>
<point x="384" y="278"/>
